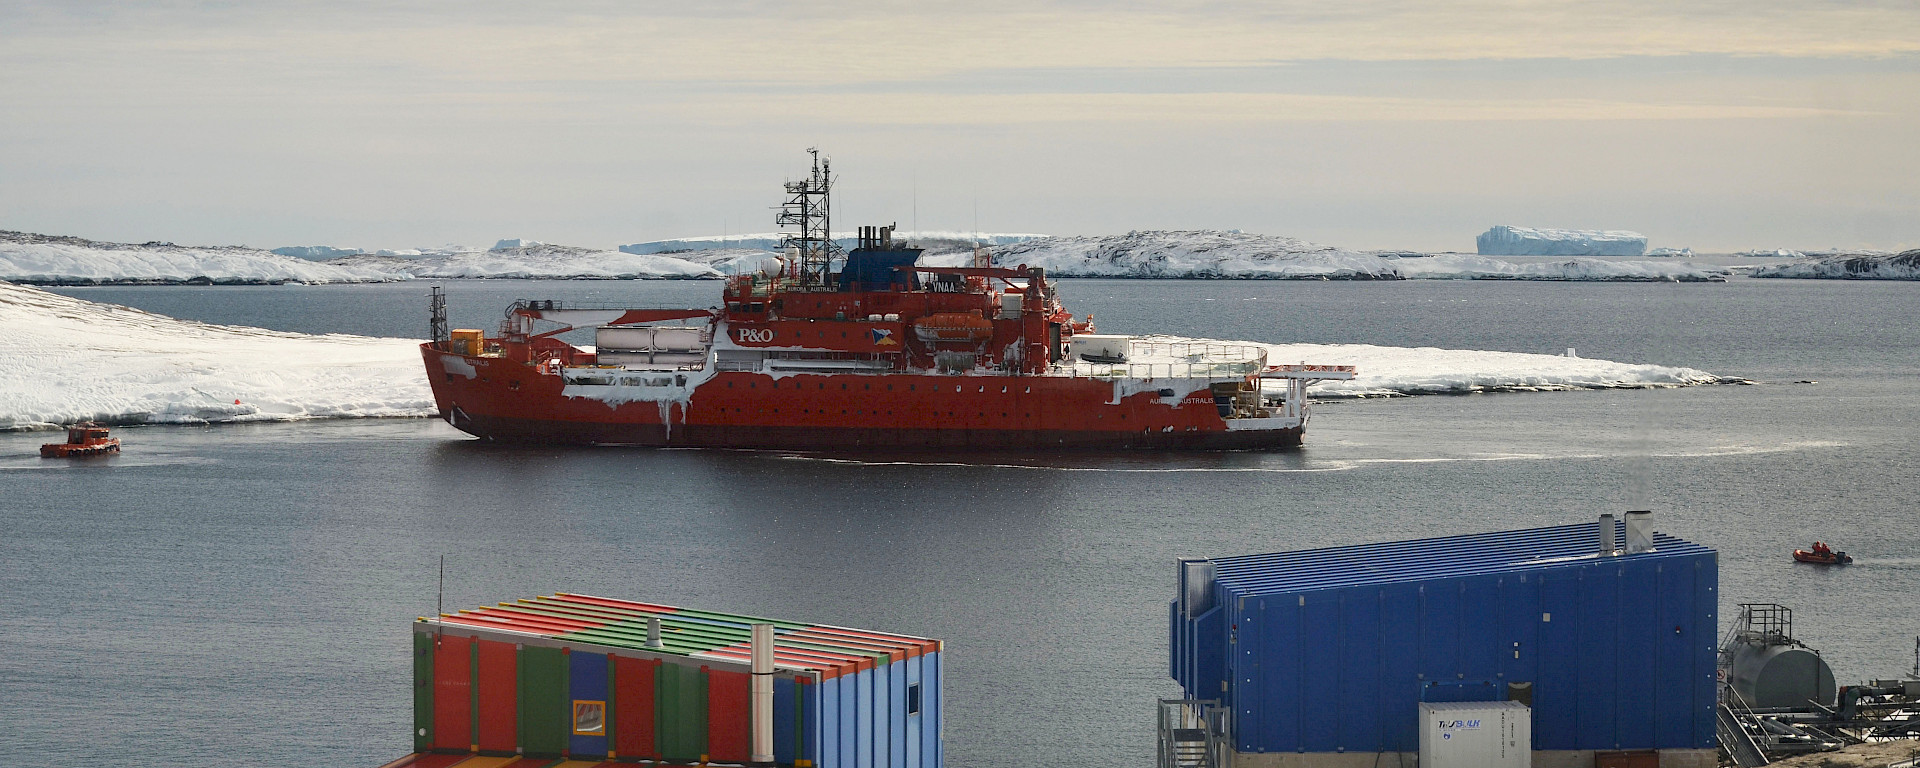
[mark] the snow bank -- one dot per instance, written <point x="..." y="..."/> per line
<point x="1214" y="254"/>
<point x="46" y="259"/>
<point x="1525" y="241"/>
<point x="770" y="241"/>
<point x="1893" y="266"/>
<point x="1392" y="371"/>
<point x="72" y="360"/>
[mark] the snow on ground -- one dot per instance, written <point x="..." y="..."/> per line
<point x="72" y="360"/>
<point x="1217" y="254"/>
<point x="30" y="258"/>
<point x="1882" y="266"/>
<point x="1391" y="371"/>
<point x="1527" y="241"/>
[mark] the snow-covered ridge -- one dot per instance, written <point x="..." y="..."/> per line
<point x="1869" y="266"/>
<point x="534" y="262"/>
<point x="73" y="360"/>
<point x="1503" y="240"/>
<point x="770" y="241"/>
<point x="1213" y="254"/>
<point x="55" y="260"/>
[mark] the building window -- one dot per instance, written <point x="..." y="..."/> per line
<point x="589" y="718"/>
<point x="913" y="699"/>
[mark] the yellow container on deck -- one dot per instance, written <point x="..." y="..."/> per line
<point x="467" y="341"/>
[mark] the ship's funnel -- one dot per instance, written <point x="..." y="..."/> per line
<point x="1639" y="532"/>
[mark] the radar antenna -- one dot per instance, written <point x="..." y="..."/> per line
<point x="809" y="247"/>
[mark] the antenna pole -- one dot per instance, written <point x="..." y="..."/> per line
<point x="437" y="315"/>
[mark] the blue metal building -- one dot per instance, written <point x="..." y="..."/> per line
<point x="1331" y="650"/>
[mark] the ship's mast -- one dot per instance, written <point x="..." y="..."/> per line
<point x="809" y="210"/>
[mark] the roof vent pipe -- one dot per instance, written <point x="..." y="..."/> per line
<point x="1604" y="532"/>
<point x="653" y="632"/>
<point x="762" y="720"/>
<point x="1639" y="532"/>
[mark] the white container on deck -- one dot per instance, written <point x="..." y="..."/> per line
<point x="1476" y="734"/>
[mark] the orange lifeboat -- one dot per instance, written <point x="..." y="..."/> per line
<point x="83" y="439"/>
<point x="953" y="326"/>
<point x="1822" y="555"/>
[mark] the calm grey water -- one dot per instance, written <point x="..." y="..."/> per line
<point x="241" y="595"/>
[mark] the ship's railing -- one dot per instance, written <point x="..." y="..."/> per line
<point x="1196" y="351"/>
<point x="1208" y="370"/>
<point x="1180" y="360"/>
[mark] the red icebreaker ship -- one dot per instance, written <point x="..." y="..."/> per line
<point x="878" y="353"/>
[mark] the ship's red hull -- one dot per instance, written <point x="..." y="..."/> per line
<point x="509" y="401"/>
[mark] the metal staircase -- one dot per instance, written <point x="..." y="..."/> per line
<point x="1194" y="734"/>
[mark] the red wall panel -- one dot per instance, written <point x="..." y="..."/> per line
<point x="728" y="714"/>
<point x="452" y="693"/>
<point x="633" y="707"/>
<point x="499" y="696"/>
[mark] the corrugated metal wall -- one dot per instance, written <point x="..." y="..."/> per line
<point x="1619" y="652"/>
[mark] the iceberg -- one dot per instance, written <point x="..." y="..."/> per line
<point x="1523" y="241"/>
<point x="1777" y="253"/>
<point x="1681" y="252"/>
<point x="1214" y="254"/>
<point x="55" y="260"/>
<point x="73" y="360"/>
<point x="509" y="244"/>
<point x="315" y="252"/>
<point x="1860" y="266"/>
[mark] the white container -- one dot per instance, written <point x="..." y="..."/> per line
<point x="1476" y="734"/>
<point x="647" y="337"/>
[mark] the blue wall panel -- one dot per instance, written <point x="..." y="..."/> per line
<point x="830" y="730"/>
<point x="932" y="747"/>
<point x="1618" y="650"/>
<point x="897" y="714"/>
<point x="587" y="681"/>
<point x="786" y="714"/>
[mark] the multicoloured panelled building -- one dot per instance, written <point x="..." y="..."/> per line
<point x="576" y="677"/>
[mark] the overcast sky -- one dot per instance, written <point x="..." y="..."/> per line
<point x="1360" y="123"/>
